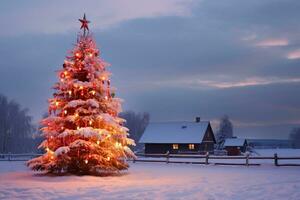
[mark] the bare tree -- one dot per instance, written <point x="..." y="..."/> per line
<point x="295" y="137"/>
<point x="136" y="122"/>
<point x="15" y="127"/>
<point x="225" y="130"/>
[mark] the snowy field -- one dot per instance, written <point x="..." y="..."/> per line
<point x="156" y="181"/>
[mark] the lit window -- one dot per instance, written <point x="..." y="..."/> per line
<point x="175" y="146"/>
<point x="191" y="146"/>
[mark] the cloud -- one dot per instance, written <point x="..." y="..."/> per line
<point x="294" y="54"/>
<point x="167" y="56"/>
<point x="249" y="37"/>
<point x="255" y="81"/>
<point x="200" y="83"/>
<point x="273" y="42"/>
<point x="60" y="17"/>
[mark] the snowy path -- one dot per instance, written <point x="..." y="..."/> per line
<point x="156" y="181"/>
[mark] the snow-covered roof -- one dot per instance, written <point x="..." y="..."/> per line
<point x="234" y="142"/>
<point x="175" y="132"/>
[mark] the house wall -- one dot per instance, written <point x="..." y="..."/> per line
<point x="209" y="135"/>
<point x="208" y="141"/>
<point x="206" y="146"/>
<point x="164" y="148"/>
<point x="243" y="148"/>
<point x="182" y="148"/>
<point x="236" y="150"/>
<point x="157" y="148"/>
<point x="233" y="151"/>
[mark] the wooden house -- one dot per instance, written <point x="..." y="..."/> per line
<point x="178" y="137"/>
<point x="235" y="146"/>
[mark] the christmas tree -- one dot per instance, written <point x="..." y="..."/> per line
<point x="83" y="133"/>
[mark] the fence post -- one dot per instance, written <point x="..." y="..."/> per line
<point x="9" y="156"/>
<point x="275" y="159"/>
<point x="167" y="157"/>
<point x="206" y="157"/>
<point x="247" y="159"/>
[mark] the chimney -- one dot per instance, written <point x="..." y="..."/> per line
<point x="197" y="119"/>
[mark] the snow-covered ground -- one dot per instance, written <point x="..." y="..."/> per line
<point x="156" y="181"/>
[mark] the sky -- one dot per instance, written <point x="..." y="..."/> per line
<point x="175" y="59"/>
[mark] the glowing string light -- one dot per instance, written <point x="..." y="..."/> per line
<point x="118" y="145"/>
<point x="77" y="54"/>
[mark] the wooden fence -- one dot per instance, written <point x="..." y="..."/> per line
<point x="211" y="159"/>
<point x="18" y="157"/>
<point x="196" y="159"/>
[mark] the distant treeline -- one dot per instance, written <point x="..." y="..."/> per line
<point x="19" y="135"/>
<point x="225" y="130"/>
<point x="136" y="123"/>
<point x="16" y="128"/>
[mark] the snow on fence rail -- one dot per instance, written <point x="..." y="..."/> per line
<point x="210" y="159"/>
<point x="179" y="158"/>
<point x="18" y="157"/>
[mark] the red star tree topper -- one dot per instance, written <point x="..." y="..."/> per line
<point x="84" y="24"/>
<point x="83" y="133"/>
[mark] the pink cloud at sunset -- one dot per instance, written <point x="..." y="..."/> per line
<point x="106" y="14"/>
<point x="294" y="54"/>
<point x="273" y="42"/>
<point x="198" y="83"/>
